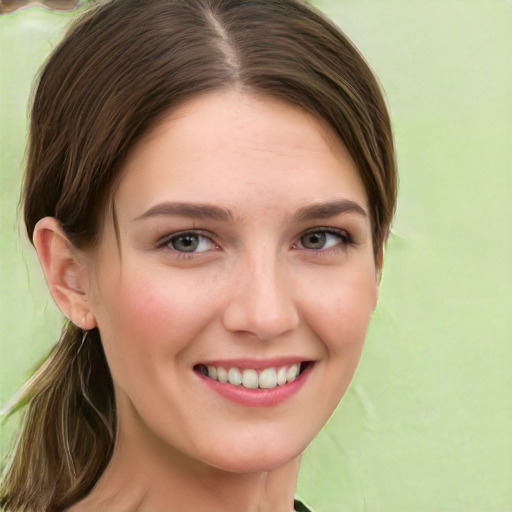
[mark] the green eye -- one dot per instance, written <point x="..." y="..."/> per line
<point x="323" y="239"/>
<point x="190" y="243"/>
<point x="315" y="240"/>
<point x="185" y="243"/>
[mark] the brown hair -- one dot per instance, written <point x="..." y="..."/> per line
<point x="120" y="69"/>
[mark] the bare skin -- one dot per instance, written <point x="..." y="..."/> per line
<point x="244" y="242"/>
<point x="174" y="489"/>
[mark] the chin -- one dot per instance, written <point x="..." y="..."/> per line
<point x="256" y="456"/>
<point x="257" y="464"/>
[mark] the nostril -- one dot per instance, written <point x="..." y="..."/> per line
<point x="261" y="308"/>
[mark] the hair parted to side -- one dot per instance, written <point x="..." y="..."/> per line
<point x="123" y="67"/>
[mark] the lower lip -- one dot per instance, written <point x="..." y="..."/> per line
<point x="258" y="397"/>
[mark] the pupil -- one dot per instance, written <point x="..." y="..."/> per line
<point x="187" y="243"/>
<point x="314" y="240"/>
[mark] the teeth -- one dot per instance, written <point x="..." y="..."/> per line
<point x="269" y="378"/>
<point x="250" y="379"/>
<point x="212" y="372"/>
<point x="281" y="376"/>
<point x="234" y="376"/>
<point x="292" y="372"/>
<point x="222" y="375"/>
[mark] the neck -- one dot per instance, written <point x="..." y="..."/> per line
<point x="145" y="476"/>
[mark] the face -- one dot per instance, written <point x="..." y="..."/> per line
<point x="234" y="299"/>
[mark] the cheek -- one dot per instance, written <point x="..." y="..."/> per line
<point x="341" y="313"/>
<point x="142" y="319"/>
<point x="338" y="315"/>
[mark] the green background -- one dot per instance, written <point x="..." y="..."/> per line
<point x="427" y="424"/>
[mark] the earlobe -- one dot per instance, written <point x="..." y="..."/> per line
<point x="65" y="272"/>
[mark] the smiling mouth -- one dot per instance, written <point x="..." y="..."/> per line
<point x="250" y="378"/>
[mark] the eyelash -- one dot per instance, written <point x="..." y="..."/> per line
<point x="344" y="237"/>
<point x="165" y="242"/>
<point x="345" y="240"/>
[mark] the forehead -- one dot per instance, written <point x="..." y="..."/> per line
<point x="238" y="150"/>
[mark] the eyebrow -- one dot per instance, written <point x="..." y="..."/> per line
<point x="192" y="210"/>
<point x="330" y="209"/>
<point x="323" y="210"/>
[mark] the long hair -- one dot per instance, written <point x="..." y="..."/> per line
<point x="124" y="66"/>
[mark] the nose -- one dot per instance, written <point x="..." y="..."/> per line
<point x="261" y="302"/>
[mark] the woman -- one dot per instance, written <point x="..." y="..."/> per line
<point x="210" y="186"/>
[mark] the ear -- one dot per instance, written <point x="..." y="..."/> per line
<point x="66" y="274"/>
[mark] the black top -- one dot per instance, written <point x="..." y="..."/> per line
<point x="300" y="507"/>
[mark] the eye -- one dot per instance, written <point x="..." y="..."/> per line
<point x="321" y="239"/>
<point x="189" y="242"/>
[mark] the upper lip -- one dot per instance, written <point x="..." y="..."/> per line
<point x="256" y="364"/>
